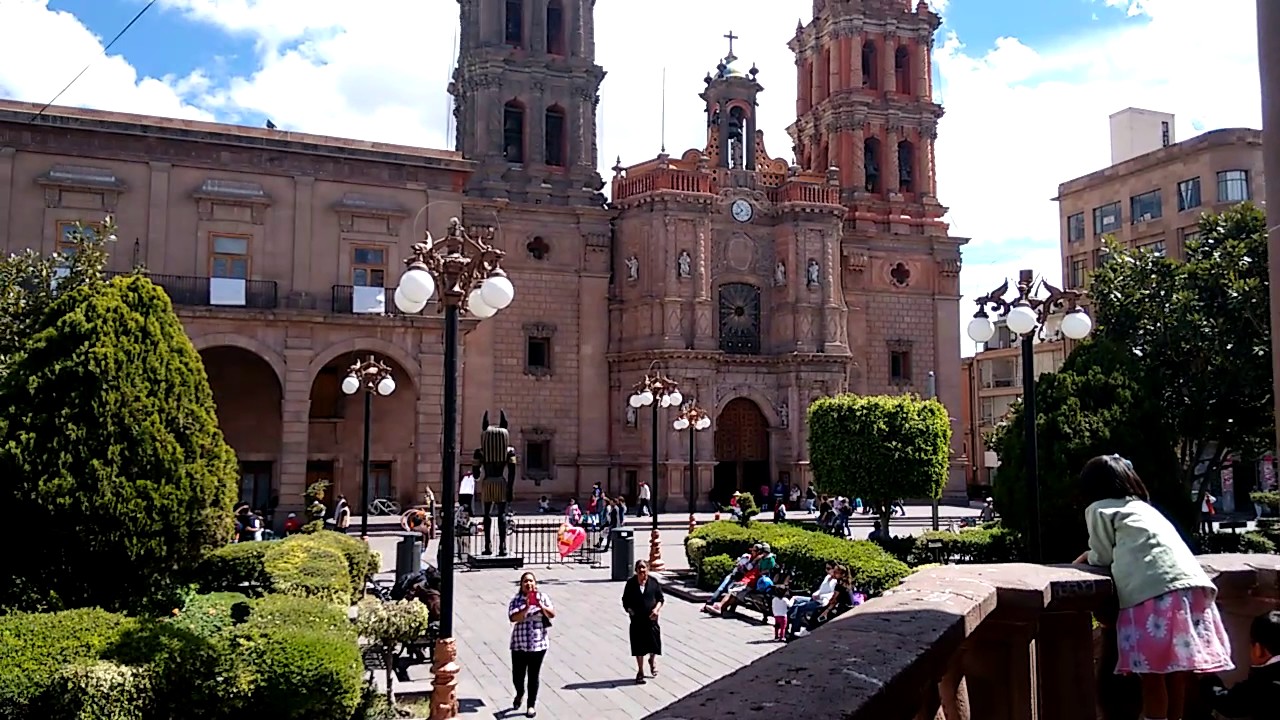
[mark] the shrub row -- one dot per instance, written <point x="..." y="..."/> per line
<point x="990" y="543"/>
<point x="326" y="565"/>
<point x="224" y="656"/>
<point x="803" y="552"/>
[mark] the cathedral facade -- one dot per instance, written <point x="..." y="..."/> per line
<point x="757" y="284"/>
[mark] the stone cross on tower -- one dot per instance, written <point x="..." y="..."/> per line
<point x="731" y="37"/>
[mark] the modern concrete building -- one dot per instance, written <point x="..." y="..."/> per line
<point x="755" y="284"/>
<point x="1154" y="201"/>
<point x="992" y="384"/>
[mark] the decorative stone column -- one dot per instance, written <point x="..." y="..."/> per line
<point x="928" y="137"/>
<point x="889" y="79"/>
<point x="890" y="165"/>
<point x="855" y="60"/>
<point x="858" y="137"/>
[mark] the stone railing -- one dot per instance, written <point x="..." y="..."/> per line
<point x="970" y="642"/>
<point x="666" y="179"/>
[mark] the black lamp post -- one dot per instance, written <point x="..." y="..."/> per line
<point x="1030" y="317"/>
<point x="467" y="270"/>
<point x="692" y="418"/>
<point x="655" y="390"/>
<point x="372" y="376"/>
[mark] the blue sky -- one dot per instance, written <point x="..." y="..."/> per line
<point x="1027" y="86"/>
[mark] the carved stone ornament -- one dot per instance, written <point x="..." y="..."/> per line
<point x="684" y="265"/>
<point x="813" y="273"/>
<point x="632" y="417"/>
<point x="780" y="274"/>
<point x="633" y="268"/>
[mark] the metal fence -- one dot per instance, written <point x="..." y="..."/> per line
<point x="536" y="539"/>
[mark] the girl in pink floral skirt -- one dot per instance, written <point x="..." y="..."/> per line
<point x="1168" y="626"/>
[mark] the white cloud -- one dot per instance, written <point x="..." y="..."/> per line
<point x="1019" y="119"/>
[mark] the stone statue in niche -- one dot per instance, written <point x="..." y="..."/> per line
<point x="784" y="415"/>
<point x="780" y="274"/>
<point x="633" y="268"/>
<point x="684" y="264"/>
<point x="631" y="416"/>
<point x="872" y="171"/>
<point x="814" y="273"/>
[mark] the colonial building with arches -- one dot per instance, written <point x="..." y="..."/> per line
<point x="757" y="283"/>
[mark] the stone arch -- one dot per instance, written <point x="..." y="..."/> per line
<point x="760" y="399"/>
<point x="235" y="340"/>
<point x="376" y="346"/>
<point x="743" y="449"/>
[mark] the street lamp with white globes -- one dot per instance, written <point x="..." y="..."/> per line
<point x="466" y="269"/>
<point x="693" y="419"/>
<point x="655" y="390"/>
<point x="1029" y="316"/>
<point x="373" y="376"/>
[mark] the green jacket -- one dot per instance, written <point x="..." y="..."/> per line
<point x="1146" y="555"/>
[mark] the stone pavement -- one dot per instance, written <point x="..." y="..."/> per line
<point x="588" y="673"/>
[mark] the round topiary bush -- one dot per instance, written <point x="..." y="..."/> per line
<point x="109" y="442"/>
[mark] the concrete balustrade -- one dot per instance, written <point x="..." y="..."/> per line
<point x="988" y="642"/>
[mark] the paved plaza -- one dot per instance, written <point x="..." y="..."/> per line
<point x="588" y="672"/>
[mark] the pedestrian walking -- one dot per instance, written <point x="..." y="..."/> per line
<point x="642" y="599"/>
<point x="530" y="612"/>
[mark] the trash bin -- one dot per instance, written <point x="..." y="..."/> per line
<point x="408" y="554"/>
<point x="623" y="547"/>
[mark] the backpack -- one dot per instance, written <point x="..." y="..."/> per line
<point x="405" y="583"/>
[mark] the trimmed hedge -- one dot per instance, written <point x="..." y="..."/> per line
<point x="287" y="658"/>
<point x="1249" y="543"/>
<point x="990" y="543"/>
<point x="803" y="552"/>
<point x="328" y="565"/>
<point x="713" y="571"/>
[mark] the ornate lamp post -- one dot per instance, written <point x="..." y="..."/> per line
<point x="467" y="270"/>
<point x="1029" y="316"/>
<point x="655" y="390"/>
<point x="693" y="419"/>
<point x="373" y="376"/>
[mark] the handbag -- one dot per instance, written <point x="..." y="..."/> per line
<point x="546" y="621"/>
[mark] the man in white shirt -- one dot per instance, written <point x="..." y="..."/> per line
<point x="642" y="507"/>
<point x="467" y="490"/>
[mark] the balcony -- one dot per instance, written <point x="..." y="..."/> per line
<point x="356" y="300"/>
<point x="989" y="642"/>
<point x="194" y="291"/>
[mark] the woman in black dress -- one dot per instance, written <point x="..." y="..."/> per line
<point x="642" y="599"/>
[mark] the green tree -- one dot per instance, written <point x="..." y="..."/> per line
<point x="880" y="448"/>
<point x="30" y="282"/>
<point x="109" y="450"/>
<point x="1200" y="332"/>
<point x="1095" y="405"/>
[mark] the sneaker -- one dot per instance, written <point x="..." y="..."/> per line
<point x="531" y="713"/>
<point x="802" y="632"/>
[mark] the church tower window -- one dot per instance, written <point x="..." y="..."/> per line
<point x="870" y="71"/>
<point x="902" y="70"/>
<point x="740" y="319"/>
<point x="515" y="22"/>
<point x="554" y="145"/>
<point x="871" y="162"/>
<point x="513" y="132"/>
<point x="555" y="28"/>
<point x="906" y="163"/>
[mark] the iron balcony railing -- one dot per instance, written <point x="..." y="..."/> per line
<point x="352" y="300"/>
<point x="194" y="291"/>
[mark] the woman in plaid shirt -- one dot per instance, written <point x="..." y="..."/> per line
<point x="530" y="612"/>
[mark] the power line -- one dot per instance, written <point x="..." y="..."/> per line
<point x="80" y="74"/>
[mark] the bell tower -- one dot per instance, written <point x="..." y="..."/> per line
<point x="731" y="113"/>
<point x="525" y="95"/>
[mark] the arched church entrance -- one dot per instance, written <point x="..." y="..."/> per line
<point x="742" y="450"/>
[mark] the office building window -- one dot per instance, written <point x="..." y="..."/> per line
<point x="1156" y="247"/>
<point x="1144" y="207"/>
<point x="1075" y="227"/>
<point x="229" y="257"/>
<point x="1079" y="268"/>
<point x="368" y="267"/>
<point x="1106" y="219"/>
<point x="1233" y="186"/>
<point x="1189" y="194"/>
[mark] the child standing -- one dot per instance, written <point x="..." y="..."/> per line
<point x="1168" y="627"/>
<point x="781" y="604"/>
